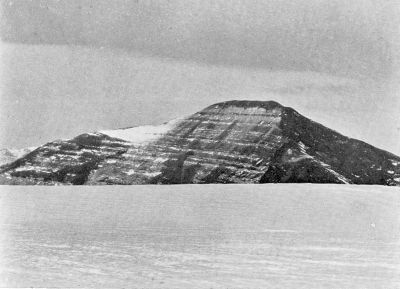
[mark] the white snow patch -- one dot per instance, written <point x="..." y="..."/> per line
<point x="390" y="172"/>
<point x="93" y="133"/>
<point x="130" y="172"/>
<point x="336" y="174"/>
<point x="32" y="168"/>
<point x="86" y="151"/>
<point x="74" y="157"/>
<point x="142" y="134"/>
<point x="397" y="179"/>
<point x="154" y="174"/>
<point x="294" y="159"/>
<point x="21" y="169"/>
<point x="302" y="147"/>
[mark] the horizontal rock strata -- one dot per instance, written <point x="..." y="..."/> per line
<point x="229" y="142"/>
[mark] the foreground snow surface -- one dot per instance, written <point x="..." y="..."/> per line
<point x="142" y="134"/>
<point x="201" y="236"/>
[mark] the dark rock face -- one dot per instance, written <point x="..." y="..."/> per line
<point x="229" y="142"/>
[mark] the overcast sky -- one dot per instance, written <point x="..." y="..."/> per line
<point x="72" y="66"/>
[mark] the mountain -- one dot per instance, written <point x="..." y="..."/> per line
<point x="10" y="155"/>
<point x="228" y="142"/>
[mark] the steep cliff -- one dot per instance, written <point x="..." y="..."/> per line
<point x="229" y="142"/>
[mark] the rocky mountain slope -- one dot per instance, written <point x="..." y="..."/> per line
<point x="229" y="142"/>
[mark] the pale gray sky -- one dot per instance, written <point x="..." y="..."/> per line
<point x="338" y="36"/>
<point x="73" y="66"/>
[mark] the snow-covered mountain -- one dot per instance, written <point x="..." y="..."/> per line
<point x="10" y="155"/>
<point x="229" y="142"/>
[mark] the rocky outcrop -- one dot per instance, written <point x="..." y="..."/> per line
<point x="65" y="162"/>
<point x="229" y="142"/>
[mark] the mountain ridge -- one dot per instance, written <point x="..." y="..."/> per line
<point x="237" y="141"/>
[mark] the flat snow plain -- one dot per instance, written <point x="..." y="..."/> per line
<point x="201" y="236"/>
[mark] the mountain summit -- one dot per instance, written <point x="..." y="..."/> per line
<point x="228" y="142"/>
